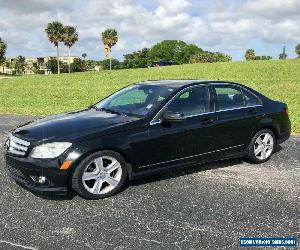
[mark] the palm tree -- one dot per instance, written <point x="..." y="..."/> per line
<point x="70" y="37"/>
<point x="55" y="31"/>
<point x="84" y="55"/>
<point x="109" y="39"/>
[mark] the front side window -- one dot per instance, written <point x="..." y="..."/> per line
<point x="229" y="97"/>
<point x="136" y="100"/>
<point x="193" y="101"/>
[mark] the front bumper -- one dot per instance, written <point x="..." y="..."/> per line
<point x="24" y="171"/>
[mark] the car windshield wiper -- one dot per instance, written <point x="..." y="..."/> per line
<point x="109" y="110"/>
<point x="93" y="107"/>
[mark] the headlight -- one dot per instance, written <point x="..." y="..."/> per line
<point x="50" y="150"/>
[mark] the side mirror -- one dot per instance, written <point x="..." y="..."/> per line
<point x="173" y="117"/>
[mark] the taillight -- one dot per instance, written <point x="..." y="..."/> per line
<point x="286" y="111"/>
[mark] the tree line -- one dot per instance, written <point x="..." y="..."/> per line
<point x="251" y="55"/>
<point x="176" y="51"/>
<point x="172" y="50"/>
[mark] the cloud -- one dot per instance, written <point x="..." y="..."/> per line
<point x="229" y="25"/>
<point x="34" y="6"/>
<point x="273" y="9"/>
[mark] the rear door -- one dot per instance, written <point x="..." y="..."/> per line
<point x="237" y="115"/>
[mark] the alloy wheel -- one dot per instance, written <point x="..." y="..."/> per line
<point x="102" y="175"/>
<point x="263" y="146"/>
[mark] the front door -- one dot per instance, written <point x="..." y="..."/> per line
<point x="172" y="142"/>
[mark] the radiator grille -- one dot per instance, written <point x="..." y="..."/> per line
<point x="16" y="146"/>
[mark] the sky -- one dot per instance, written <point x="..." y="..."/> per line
<point x="228" y="26"/>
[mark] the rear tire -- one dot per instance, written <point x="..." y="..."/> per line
<point x="261" y="146"/>
<point x="100" y="175"/>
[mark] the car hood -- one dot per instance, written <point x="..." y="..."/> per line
<point x="70" y="125"/>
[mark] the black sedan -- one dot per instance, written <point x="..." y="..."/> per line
<point x="142" y="129"/>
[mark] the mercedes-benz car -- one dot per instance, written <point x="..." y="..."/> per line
<point x="143" y="129"/>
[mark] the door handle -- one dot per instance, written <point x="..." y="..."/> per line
<point x="253" y="111"/>
<point x="207" y="121"/>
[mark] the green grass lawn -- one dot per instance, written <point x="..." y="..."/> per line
<point x="43" y="95"/>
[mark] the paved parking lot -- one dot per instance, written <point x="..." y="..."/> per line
<point x="204" y="207"/>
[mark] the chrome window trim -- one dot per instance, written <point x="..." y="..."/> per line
<point x="240" y="86"/>
<point x="191" y="156"/>
<point x="242" y="90"/>
<point x="253" y="106"/>
<point x="213" y="112"/>
<point x="153" y="122"/>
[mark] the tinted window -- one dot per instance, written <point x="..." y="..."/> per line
<point x="229" y="97"/>
<point x="136" y="96"/>
<point x="137" y="100"/>
<point x="191" y="102"/>
<point x="250" y="99"/>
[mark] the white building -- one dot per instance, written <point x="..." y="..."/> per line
<point x="40" y="61"/>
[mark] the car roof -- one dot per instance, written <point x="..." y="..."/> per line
<point x="180" y="83"/>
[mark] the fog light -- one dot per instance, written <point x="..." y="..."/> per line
<point x="41" y="179"/>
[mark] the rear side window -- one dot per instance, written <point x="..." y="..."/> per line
<point x="229" y="97"/>
<point x="251" y="99"/>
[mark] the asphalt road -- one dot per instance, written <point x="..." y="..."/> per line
<point x="204" y="207"/>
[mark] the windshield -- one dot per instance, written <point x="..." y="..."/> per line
<point x="136" y="100"/>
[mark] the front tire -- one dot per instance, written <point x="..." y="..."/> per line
<point x="100" y="175"/>
<point x="261" y="146"/>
